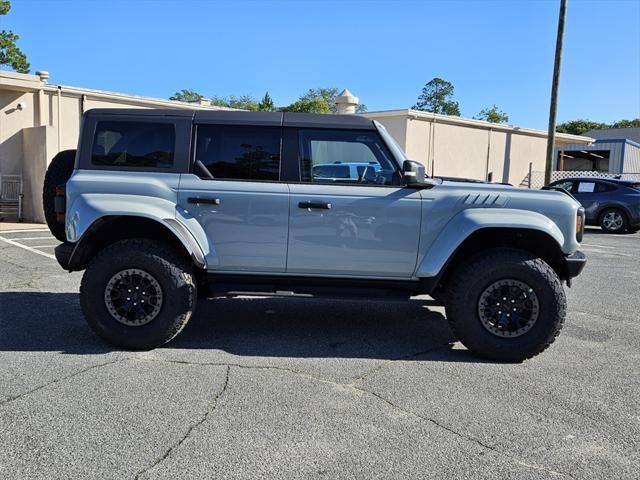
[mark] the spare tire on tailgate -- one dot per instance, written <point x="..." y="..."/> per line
<point x="59" y="171"/>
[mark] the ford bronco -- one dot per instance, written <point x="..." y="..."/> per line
<point x="162" y="207"/>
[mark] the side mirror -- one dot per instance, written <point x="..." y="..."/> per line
<point x="413" y="174"/>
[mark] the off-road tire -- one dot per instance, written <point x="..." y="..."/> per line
<point x="58" y="172"/>
<point x="471" y="279"/>
<point x="171" y="271"/>
<point x="623" y="215"/>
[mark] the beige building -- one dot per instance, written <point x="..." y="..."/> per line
<point x="462" y="147"/>
<point x="38" y="119"/>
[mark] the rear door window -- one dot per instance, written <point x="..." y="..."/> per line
<point x="602" y="187"/>
<point x="133" y="144"/>
<point x="232" y="152"/>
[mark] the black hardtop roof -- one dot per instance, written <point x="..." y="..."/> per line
<point x="237" y="117"/>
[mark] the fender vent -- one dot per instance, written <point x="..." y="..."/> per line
<point x="484" y="200"/>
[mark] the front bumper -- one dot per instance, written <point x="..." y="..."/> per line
<point x="63" y="254"/>
<point x="575" y="264"/>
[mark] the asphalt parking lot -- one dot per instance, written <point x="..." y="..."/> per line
<point x="270" y="388"/>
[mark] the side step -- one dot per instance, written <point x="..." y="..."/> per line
<point x="232" y="285"/>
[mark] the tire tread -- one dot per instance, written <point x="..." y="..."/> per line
<point x="179" y="273"/>
<point x="487" y="260"/>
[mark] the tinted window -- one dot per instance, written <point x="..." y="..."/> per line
<point x="605" y="187"/>
<point x="567" y="185"/>
<point x="342" y="156"/>
<point x="239" y="152"/>
<point x="133" y="144"/>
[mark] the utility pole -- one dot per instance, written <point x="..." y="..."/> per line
<point x="551" y="137"/>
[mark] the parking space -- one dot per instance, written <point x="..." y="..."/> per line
<point x="259" y="388"/>
<point x="36" y="240"/>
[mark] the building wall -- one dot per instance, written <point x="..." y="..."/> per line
<point x="631" y="158"/>
<point x="48" y="123"/>
<point x="12" y="122"/>
<point x="523" y="150"/>
<point x="39" y="146"/>
<point x="458" y="147"/>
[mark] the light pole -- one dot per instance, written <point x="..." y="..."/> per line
<point x="551" y="137"/>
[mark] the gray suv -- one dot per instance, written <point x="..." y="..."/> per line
<point x="162" y="207"/>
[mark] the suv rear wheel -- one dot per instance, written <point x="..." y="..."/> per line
<point x="138" y="294"/>
<point x="506" y="305"/>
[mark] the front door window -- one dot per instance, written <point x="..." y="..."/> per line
<point x="345" y="157"/>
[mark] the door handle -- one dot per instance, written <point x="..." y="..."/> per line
<point x="207" y="200"/>
<point x="322" y="205"/>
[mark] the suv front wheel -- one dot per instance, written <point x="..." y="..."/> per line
<point x="138" y="294"/>
<point x="506" y="305"/>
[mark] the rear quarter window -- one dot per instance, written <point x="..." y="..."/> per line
<point x="133" y="144"/>
<point x="605" y="187"/>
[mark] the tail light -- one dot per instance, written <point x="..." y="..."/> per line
<point x="60" y="203"/>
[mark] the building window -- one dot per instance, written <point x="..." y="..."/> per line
<point x="133" y="144"/>
<point x="584" y="160"/>
<point x="240" y="152"/>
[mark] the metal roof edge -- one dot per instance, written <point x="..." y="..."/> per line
<point x="27" y="82"/>
<point x="471" y="122"/>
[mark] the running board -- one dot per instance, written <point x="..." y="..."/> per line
<point x="231" y="285"/>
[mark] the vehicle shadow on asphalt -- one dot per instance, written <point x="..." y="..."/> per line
<point x="598" y="231"/>
<point x="255" y="327"/>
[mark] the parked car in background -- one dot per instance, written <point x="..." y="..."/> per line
<point x="612" y="203"/>
<point x="349" y="172"/>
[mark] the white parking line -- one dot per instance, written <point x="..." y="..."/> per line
<point x="587" y="248"/>
<point x="32" y="238"/>
<point x="24" y="231"/>
<point x="599" y="246"/>
<point x="24" y="247"/>
<point x="44" y="246"/>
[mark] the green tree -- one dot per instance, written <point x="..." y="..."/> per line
<point x="493" y="115"/>
<point x="10" y="54"/>
<point x="316" y="98"/>
<point x="311" y="105"/>
<point x="243" y="102"/>
<point x="266" y="104"/>
<point x="219" y="101"/>
<point x="186" y="95"/>
<point x="436" y="97"/>
<point x="626" y="123"/>
<point x="578" y="127"/>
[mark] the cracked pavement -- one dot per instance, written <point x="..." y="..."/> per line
<point x="282" y="388"/>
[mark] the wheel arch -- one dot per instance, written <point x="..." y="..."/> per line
<point x="613" y="206"/>
<point x="539" y="243"/>
<point x="109" y="229"/>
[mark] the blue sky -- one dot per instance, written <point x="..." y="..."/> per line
<point x="384" y="51"/>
